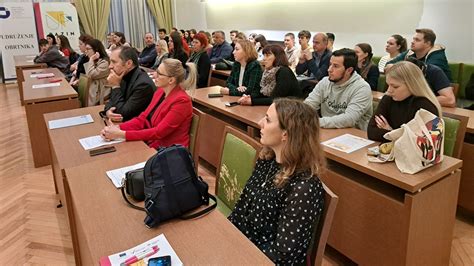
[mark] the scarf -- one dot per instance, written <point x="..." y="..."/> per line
<point x="268" y="81"/>
<point x="195" y="57"/>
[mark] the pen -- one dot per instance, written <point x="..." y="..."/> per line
<point x="141" y="255"/>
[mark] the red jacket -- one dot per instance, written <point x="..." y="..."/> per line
<point x="170" y="124"/>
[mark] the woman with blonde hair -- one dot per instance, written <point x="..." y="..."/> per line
<point x="407" y="93"/>
<point x="284" y="197"/>
<point x="162" y="53"/>
<point x="166" y="121"/>
<point x="246" y="71"/>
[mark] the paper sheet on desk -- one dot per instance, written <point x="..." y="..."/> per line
<point x="118" y="175"/>
<point x="97" y="141"/>
<point x="347" y="143"/>
<point x="47" y="85"/>
<point x="42" y="75"/>
<point x="70" y="121"/>
<point x="164" y="247"/>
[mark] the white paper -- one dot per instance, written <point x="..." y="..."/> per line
<point x="347" y="143"/>
<point x="46" y="85"/>
<point x="42" y="75"/>
<point x="70" y="121"/>
<point x="30" y="56"/>
<point x="118" y="175"/>
<point x="29" y="61"/>
<point x="164" y="249"/>
<point x="97" y="141"/>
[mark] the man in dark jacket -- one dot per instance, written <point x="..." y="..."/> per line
<point x="148" y="55"/>
<point x="51" y="56"/>
<point x="221" y="49"/>
<point x="424" y="49"/>
<point x="316" y="63"/>
<point x="132" y="88"/>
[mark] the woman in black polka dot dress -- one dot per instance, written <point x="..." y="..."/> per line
<point x="283" y="199"/>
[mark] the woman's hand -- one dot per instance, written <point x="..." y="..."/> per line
<point x="242" y="88"/>
<point x="94" y="57"/>
<point x="224" y="90"/>
<point x="382" y="122"/>
<point x="112" y="131"/>
<point x="245" y="100"/>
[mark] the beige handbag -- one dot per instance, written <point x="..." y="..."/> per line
<point x="419" y="143"/>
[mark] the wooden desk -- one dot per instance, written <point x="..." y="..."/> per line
<point x="245" y="118"/>
<point x="107" y="225"/>
<point x="382" y="214"/>
<point x="23" y="62"/>
<point x="219" y="77"/>
<point x="386" y="217"/>
<point x="42" y="101"/>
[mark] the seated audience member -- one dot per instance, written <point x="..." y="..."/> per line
<point x="344" y="98"/>
<point x="396" y="44"/>
<point x="423" y="48"/>
<point x="303" y="39"/>
<point x="119" y="40"/>
<point x="367" y="69"/>
<point x="283" y="200"/>
<point x="167" y="119"/>
<point x="260" y="43"/>
<point x="437" y="81"/>
<point x="246" y="71"/>
<point x="176" y="48"/>
<point x="192" y="32"/>
<point x="407" y="93"/>
<point x="317" y="62"/>
<point x="278" y="80"/>
<point x="110" y="40"/>
<point x="97" y="69"/>
<point x="210" y="43"/>
<point x="221" y="49"/>
<point x="233" y="36"/>
<point x="148" y="55"/>
<point x="292" y="52"/>
<point x="65" y="48"/>
<point x="50" y="55"/>
<point x="162" y="35"/>
<point x="132" y="88"/>
<point x="161" y="53"/>
<point x="331" y="39"/>
<point x="174" y="29"/>
<point x="51" y="39"/>
<point x="200" y="58"/>
<point x="187" y="38"/>
<point x="78" y="67"/>
<point x="252" y="37"/>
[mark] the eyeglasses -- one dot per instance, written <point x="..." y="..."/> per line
<point x="161" y="74"/>
<point x="88" y="48"/>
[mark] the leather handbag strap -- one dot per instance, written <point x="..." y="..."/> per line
<point x="129" y="203"/>
<point x="202" y="212"/>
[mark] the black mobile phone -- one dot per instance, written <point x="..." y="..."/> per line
<point x="160" y="261"/>
<point x="231" y="104"/>
<point x="214" y="95"/>
<point x="103" y="150"/>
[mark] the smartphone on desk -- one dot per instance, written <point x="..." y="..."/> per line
<point x="160" y="261"/>
<point x="214" y="95"/>
<point x="231" y="104"/>
<point x="103" y="150"/>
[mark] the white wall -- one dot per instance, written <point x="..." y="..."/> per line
<point x="371" y="21"/>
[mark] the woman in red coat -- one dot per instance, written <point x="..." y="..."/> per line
<point x="167" y="120"/>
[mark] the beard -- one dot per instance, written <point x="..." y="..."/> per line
<point x="336" y="80"/>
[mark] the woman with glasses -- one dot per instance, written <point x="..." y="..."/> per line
<point x="97" y="69"/>
<point x="167" y="120"/>
<point x="200" y="58"/>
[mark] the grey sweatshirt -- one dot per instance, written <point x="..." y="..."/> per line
<point x="345" y="105"/>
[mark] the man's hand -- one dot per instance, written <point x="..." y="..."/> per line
<point x="113" y="79"/>
<point x="114" y="116"/>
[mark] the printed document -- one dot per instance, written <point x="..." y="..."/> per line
<point x="97" y="141"/>
<point x="160" y="242"/>
<point x="118" y="175"/>
<point x="47" y="85"/>
<point x="42" y="75"/>
<point x="347" y="143"/>
<point x="70" y="121"/>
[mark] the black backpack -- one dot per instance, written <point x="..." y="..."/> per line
<point x="172" y="187"/>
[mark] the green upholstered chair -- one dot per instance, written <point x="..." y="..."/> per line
<point x="376" y="60"/>
<point x="194" y="132"/>
<point x="467" y="71"/>
<point x="83" y="90"/>
<point x="456" y="70"/>
<point x="382" y="84"/>
<point x="320" y="236"/>
<point x="454" y="131"/>
<point x="236" y="162"/>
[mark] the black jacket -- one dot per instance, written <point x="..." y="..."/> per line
<point x="286" y="86"/>
<point x="135" y="93"/>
